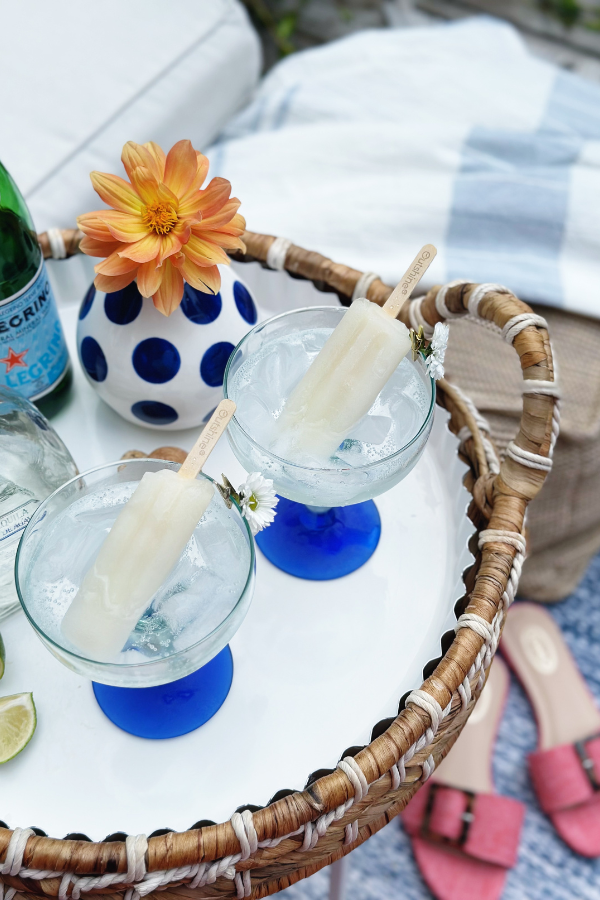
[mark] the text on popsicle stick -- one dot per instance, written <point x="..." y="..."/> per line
<point x="205" y="444"/>
<point x="410" y="280"/>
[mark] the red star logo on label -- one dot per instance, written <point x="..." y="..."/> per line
<point x="13" y="360"/>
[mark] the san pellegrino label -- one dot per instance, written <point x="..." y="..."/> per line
<point x="33" y="352"/>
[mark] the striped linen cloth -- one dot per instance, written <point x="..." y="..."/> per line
<point x="455" y="134"/>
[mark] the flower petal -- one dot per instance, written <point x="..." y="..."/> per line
<point x="93" y="224"/>
<point x="145" y="183"/>
<point x="183" y="229"/>
<point x="186" y="223"/>
<point x="201" y="172"/>
<point x="116" y="192"/>
<point x="169" y="244"/>
<point x="145" y="249"/>
<point x="115" y="265"/>
<point x="191" y="204"/>
<point x="204" y="253"/>
<point x="192" y="194"/>
<point x="165" y="195"/>
<point x="222" y="239"/>
<point x="92" y="247"/>
<point x="135" y="155"/>
<point x="192" y="199"/>
<point x="181" y="167"/>
<point x="110" y="283"/>
<point x="214" y="196"/>
<point x="124" y="227"/>
<point x="237" y="226"/>
<point x="159" y="157"/>
<point x="203" y="279"/>
<point x="169" y="295"/>
<point x="149" y="278"/>
<point x="223" y="216"/>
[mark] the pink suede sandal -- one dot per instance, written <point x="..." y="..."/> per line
<point x="565" y="769"/>
<point x="464" y="836"/>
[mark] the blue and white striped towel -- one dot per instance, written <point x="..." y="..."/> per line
<point x="371" y="146"/>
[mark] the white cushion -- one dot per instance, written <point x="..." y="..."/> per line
<point x="79" y="78"/>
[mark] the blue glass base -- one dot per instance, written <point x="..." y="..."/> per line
<point x="320" y="544"/>
<point x="169" y="710"/>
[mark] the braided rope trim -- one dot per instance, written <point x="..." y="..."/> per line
<point x="479" y="293"/>
<point x="512" y="328"/>
<point x="440" y="300"/>
<point x="7" y="893"/>
<point x="526" y="458"/>
<point x="547" y="388"/>
<point x="519" y="323"/>
<point x="485" y="430"/>
<point x="490" y="631"/>
<point x="57" y="243"/>
<point x="361" y="288"/>
<point x="141" y="883"/>
<point x="483" y="323"/>
<point x="416" y="318"/>
<point x="277" y="253"/>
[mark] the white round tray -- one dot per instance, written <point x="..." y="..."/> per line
<point x="316" y="664"/>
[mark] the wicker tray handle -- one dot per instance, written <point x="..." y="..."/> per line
<point x="261" y="852"/>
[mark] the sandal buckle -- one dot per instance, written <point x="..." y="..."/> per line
<point x="467" y="818"/>
<point x="587" y="763"/>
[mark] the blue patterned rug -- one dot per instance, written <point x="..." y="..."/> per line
<point x="383" y="868"/>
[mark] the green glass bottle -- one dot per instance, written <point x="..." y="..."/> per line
<point x="34" y="360"/>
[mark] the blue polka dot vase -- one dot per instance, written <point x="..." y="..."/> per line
<point x="158" y="371"/>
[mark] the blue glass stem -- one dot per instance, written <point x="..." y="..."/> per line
<point x="320" y="543"/>
<point x="169" y="710"/>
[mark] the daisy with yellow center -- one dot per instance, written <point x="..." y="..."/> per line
<point x="163" y="229"/>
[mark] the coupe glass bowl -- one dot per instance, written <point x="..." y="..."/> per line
<point x="185" y="631"/>
<point x="329" y="487"/>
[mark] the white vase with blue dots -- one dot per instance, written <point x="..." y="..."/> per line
<point x="157" y="371"/>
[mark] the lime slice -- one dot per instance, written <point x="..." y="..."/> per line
<point x="2" y="656"/>
<point x="17" y="724"/>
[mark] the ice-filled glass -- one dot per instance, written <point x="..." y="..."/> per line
<point x="190" y="619"/>
<point x="379" y="451"/>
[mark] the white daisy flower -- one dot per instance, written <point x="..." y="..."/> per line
<point x="258" y="501"/>
<point x="439" y="344"/>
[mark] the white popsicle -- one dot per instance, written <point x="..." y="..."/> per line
<point x="142" y="547"/>
<point x="349" y="372"/>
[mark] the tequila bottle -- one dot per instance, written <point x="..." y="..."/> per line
<point x="34" y="360"/>
<point x="33" y="463"/>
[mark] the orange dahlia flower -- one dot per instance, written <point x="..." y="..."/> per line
<point x="162" y="228"/>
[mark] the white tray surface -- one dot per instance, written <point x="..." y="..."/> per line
<point x="317" y="664"/>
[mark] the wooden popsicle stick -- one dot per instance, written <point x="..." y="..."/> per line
<point x="409" y="280"/>
<point x="205" y="444"/>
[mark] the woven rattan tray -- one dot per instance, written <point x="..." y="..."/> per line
<point x="261" y="851"/>
<point x="361" y="643"/>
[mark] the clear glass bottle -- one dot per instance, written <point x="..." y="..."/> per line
<point x="34" y="360"/>
<point x="33" y="463"/>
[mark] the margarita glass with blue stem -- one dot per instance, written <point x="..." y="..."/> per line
<point x="176" y="669"/>
<point x="327" y="524"/>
